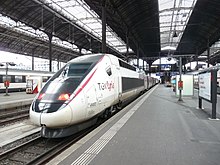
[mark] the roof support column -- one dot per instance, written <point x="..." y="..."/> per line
<point x="103" y="26"/>
<point x="32" y="61"/>
<point x="184" y="67"/>
<point x="197" y="62"/>
<point x="150" y="64"/>
<point x="180" y="78"/>
<point x="159" y="63"/>
<point x="80" y="51"/>
<point x="58" y="62"/>
<point x="127" y="45"/>
<point x="138" y="55"/>
<point x="208" y="53"/>
<point x="190" y="65"/>
<point x="50" y="52"/>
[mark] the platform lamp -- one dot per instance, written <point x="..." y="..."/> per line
<point x="6" y="74"/>
<point x="175" y="34"/>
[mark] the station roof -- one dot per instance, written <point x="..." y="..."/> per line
<point x="43" y="16"/>
<point x="139" y="20"/>
<point x="203" y="28"/>
<point x="19" y="42"/>
<point x="187" y="25"/>
<point x="47" y="17"/>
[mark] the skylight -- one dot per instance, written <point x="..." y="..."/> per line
<point x="173" y="15"/>
<point x="22" y="28"/>
<point x="81" y="14"/>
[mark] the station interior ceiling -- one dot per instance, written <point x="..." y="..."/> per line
<point x="142" y="29"/>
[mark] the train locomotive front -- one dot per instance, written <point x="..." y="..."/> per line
<point x="61" y="104"/>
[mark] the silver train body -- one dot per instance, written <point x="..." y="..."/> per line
<point x="84" y="89"/>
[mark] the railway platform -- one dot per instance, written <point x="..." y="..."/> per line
<point x="16" y="131"/>
<point x="155" y="129"/>
<point x="15" y="99"/>
<point x="11" y="133"/>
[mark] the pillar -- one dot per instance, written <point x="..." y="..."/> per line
<point x="103" y="27"/>
<point x="50" y="52"/>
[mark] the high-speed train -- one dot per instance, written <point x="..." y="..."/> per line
<point x="86" y="88"/>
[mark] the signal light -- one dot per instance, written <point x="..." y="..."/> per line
<point x="64" y="96"/>
<point x="41" y="96"/>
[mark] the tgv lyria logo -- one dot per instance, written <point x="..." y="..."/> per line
<point x="106" y="85"/>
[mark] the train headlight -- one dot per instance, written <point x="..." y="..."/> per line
<point x="64" y="97"/>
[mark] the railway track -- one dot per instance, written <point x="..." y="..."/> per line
<point x="39" y="150"/>
<point x="13" y="115"/>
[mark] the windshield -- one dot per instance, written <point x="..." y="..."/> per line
<point x="64" y="82"/>
<point x="76" y="69"/>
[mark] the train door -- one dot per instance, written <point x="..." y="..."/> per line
<point x="104" y="84"/>
<point x="33" y="85"/>
<point x="118" y="83"/>
<point x="92" y="102"/>
<point x="112" y="77"/>
<point x="117" y="79"/>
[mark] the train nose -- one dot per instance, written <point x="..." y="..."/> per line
<point x="61" y="118"/>
<point x="34" y="117"/>
<point x="50" y="114"/>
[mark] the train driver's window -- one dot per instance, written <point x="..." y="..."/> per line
<point x="109" y="71"/>
<point x="78" y="69"/>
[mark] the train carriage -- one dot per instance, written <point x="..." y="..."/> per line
<point x="18" y="78"/>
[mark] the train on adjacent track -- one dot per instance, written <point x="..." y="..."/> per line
<point x="19" y="79"/>
<point x="86" y="88"/>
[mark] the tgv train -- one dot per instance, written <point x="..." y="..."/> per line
<point x="18" y="79"/>
<point x="86" y="88"/>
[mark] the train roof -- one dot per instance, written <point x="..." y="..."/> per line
<point x="87" y="58"/>
<point x="25" y="72"/>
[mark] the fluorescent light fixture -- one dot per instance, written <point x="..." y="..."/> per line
<point x="168" y="48"/>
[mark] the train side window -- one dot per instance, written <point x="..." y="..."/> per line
<point x="12" y="79"/>
<point x="4" y="78"/>
<point x="45" y="79"/>
<point x="18" y="79"/>
<point x="1" y="81"/>
<point x="23" y="79"/>
<point x="109" y="71"/>
<point x="126" y="65"/>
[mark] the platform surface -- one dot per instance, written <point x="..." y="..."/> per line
<point x="15" y="96"/>
<point x="155" y="130"/>
<point x="16" y="131"/>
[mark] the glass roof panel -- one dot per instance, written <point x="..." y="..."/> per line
<point x="173" y="15"/>
<point x="79" y="11"/>
<point x="22" y="28"/>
